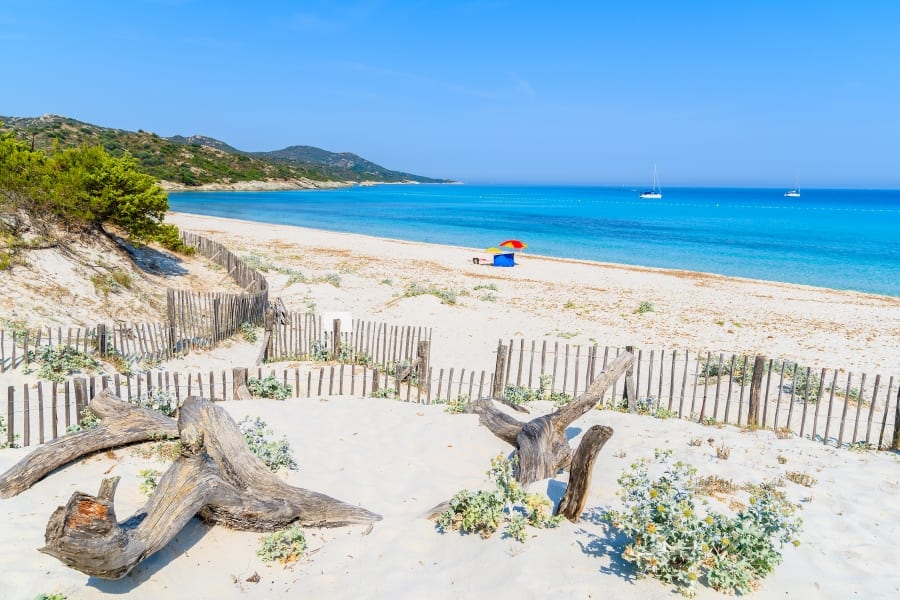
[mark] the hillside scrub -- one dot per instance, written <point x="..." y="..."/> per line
<point x="81" y="189"/>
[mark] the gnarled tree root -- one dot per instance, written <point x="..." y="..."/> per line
<point x="121" y="423"/>
<point x="216" y="476"/>
<point x="542" y="448"/>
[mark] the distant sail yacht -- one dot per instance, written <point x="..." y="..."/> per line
<point x="793" y="193"/>
<point x="655" y="193"/>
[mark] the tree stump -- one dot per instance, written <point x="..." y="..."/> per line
<point x="216" y="477"/>
<point x="542" y="448"/>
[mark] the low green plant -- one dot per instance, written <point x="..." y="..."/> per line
<point x="805" y="384"/>
<point x="275" y="453"/>
<point x="445" y="295"/>
<point x="284" y="546"/>
<point x="149" y="481"/>
<point x="56" y="596"/>
<point x="318" y="351"/>
<point x="486" y="286"/>
<point x="644" y="307"/>
<point x="677" y="539"/>
<point x="384" y="392"/>
<point x="87" y="420"/>
<point x="861" y="446"/>
<point x="4" y="436"/>
<point x="159" y="400"/>
<point x="711" y="370"/>
<point x="483" y="512"/>
<point x="58" y="362"/>
<point x="458" y="404"/>
<point x="248" y="332"/>
<point x="331" y="278"/>
<point x="269" y="387"/>
<point x="516" y="394"/>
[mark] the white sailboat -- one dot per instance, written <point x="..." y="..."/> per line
<point x="655" y="193"/>
<point x="795" y="192"/>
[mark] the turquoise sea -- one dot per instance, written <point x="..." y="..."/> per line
<point x="841" y="239"/>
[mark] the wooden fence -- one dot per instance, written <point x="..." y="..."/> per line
<point x="312" y="337"/>
<point x="671" y="384"/>
<point x="39" y="412"/>
<point x="833" y="406"/>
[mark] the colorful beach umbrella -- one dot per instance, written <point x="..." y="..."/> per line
<point x="514" y="244"/>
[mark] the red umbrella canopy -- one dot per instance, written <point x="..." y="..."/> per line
<point x="514" y="244"/>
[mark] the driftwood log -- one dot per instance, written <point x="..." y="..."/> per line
<point x="121" y="423"/>
<point x="542" y="448"/>
<point x="216" y="477"/>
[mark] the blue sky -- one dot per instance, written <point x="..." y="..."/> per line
<point x="715" y="93"/>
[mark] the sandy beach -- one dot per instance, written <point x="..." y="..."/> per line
<point x="399" y="459"/>
<point x="574" y="301"/>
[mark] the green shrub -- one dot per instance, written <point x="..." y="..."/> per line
<point x="275" y="453"/>
<point x="4" y="436"/>
<point x="159" y="400"/>
<point x="445" y="295"/>
<point x="676" y="538"/>
<point x="56" y="596"/>
<point x="457" y="405"/>
<point x="168" y="236"/>
<point x="87" y="420"/>
<point x="519" y="395"/>
<point x="805" y="384"/>
<point x="57" y="362"/>
<point x="284" y="546"/>
<point x="248" y="332"/>
<point x="711" y="370"/>
<point x="269" y="387"/>
<point x="644" y="307"/>
<point x="483" y="512"/>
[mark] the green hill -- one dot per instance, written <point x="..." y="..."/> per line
<point x="199" y="160"/>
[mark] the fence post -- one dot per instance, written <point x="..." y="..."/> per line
<point x="101" y="339"/>
<point x="215" y="321"/>
<point x="759" y="364"/>
<point x="10" y="415"/>
<point x="336" y="339"/>
<point x="499" y="371"/>
<point x="423" y="355"/>
<point x="269" y="324"/>
<point x="630" y="391"/>
<point x="81" y="397"/>
<point x="239" y="375"/>
<point x="895" y="443"/>
<point x="170" y="310"/>
<point x="374" y="383"/>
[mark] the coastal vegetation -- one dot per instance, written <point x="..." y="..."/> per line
<point x="677" y="538"/>
<point x="46" y="198"/>
<point x="197" y="160"/>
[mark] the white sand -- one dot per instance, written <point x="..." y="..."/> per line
<point x="400" y="459"/>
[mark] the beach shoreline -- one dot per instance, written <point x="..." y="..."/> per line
<point x="569" y="300"/>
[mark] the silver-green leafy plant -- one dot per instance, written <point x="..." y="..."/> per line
<point x="484" y="511"/>
<point x="284" y="546"/>
<point x="87" y="420"/>
<point x="677" y="539"/>
<point x="275" y="453"/>
<point x="515" y="394"/>
<point x="269" y="387"/>
<point x="161" y="401"/>
<point x="58" y="362"/>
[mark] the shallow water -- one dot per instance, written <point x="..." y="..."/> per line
<point x="841" y="239"/>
